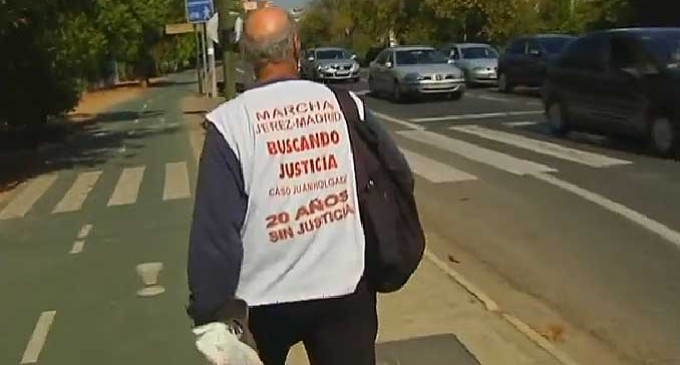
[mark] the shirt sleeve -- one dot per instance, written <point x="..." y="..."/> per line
<point x="215" y="244"/>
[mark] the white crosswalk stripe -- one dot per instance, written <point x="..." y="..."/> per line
<point x="435" y="171"/>
<point x="542" y="147"/>
<point x="476" y="116"/>
<point x="24" y="201"/>
<point x="76" y="195"/>
<point x="127" y="188"/>
<point x="520" y="124"/>
<point x="475" y="153"/>
<point x="176" y="181"/>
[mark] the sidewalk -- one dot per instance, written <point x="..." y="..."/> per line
<point x="435" y="319"/>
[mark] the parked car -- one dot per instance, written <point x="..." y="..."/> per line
<point x="621" y="82"/>
<point x="525" y="60"/>
<point x="330" y="64"/>
<point x="404" y="71"/>
<point x="478" y="61"/>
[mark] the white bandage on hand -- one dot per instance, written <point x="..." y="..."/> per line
<point x="221" y="347"/>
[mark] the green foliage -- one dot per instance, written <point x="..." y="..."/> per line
<point x="52" y="49"/>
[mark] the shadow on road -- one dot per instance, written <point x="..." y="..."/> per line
<point x="68" y="145"/>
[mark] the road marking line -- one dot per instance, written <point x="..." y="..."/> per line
<point x="37" y="340"/>
<point x="85" y="231"/>
<point x="475" y="153"/>
<point x="491" y="98"/>
<point x="542" y="147"/>
<point x="520" y="124"/>
<point x="659" y="229"/>
<point x="136" y="121"/>
<point x="534" y="103"/>
<point x="25" y="200"/>
<point x="361" y="92"/>
<point x="176" y="181"/>
<point x="76" y="195"/>
<point x="475" y="116"/>
<point x="398" y="121"/>
<point x="435" y="171"/>
<point x="127" y="188"/>
<point x="77" y="247"/>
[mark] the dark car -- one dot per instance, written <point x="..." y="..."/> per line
<point x="624" y="82"/>
<point x="525" y="60"/>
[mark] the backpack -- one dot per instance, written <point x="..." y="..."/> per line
<point x="395" y="241"/>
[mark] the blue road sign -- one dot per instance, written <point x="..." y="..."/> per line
<point x="199" y="11"/>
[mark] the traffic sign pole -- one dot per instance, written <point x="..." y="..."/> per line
<point x="199" y="70"/>
<point x="227" y="21"/>
<point x="204" y="50"/>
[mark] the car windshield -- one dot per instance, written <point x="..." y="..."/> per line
<point x="332" y="54"/>
<point x="555" y="45"/>
<point x="420" y="57"/>
<point x="479" y="52"/>
<point x="665" y="46"/>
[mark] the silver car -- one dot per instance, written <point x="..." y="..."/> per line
<point x="414" y="70"/>
<point x="330" y="64"/>
<point x="478" y="61"/>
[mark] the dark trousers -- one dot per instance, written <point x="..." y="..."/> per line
<point x="337" y="331"/>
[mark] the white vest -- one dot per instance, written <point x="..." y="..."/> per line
<point x="302" y="235"/>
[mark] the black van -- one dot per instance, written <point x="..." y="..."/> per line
<point x="623" y="82"/>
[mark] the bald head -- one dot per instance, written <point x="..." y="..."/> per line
<point x="270" y="38"/>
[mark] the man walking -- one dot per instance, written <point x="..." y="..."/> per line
<point x="276" y="222"/>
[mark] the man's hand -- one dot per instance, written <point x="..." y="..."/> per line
<point x="221" y="346"/>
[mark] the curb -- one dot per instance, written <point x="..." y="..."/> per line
<point x="493" y="307"/>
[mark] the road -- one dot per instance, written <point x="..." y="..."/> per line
<point x="577" y="236"/>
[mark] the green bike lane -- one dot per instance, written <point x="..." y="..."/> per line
<point x="98" y="316"/>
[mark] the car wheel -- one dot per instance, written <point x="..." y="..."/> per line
<point x="556" y="118"/>
<point x="371" y="87"/>
<point x="456" y="95"/>
<point x="397" y="95"/>
<point x="663" y="135"/>
<point x="504" y="84"/>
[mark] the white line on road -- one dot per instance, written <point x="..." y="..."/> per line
<point x="136" y="121"/>
<point x="520" y="124"/>
<point x="77" y="247"/>
<point x="542" y="147"/>
<point x="176" y="181"/>
<point x="659" y="229"/>
<point x="85" y="231"/>
<point x="475" y="153"/>
<point x="362" y="92"/>
<point x="25" y="200"/>
<point x="76" y="195"/>
<point x="402" y="123"/>
<point x="127" y="188"/>
<point x="435" y="171"/>
<point x="491" y="98"/>
<point x="37" y="340"/>
<point x="475" y="116"/>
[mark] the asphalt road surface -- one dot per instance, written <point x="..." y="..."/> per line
<point x="578" y="236"/>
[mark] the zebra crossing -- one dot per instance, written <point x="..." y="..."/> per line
<point x="127" y="189"/>
<point x="500" y="158"/>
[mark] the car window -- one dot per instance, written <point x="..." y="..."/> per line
<point x="390" y="57"/>
<point x="554" y="45"/>
<point x="382" y="57"/>
<point x="517" y="47"/>
<point x="628" y="56"/>
<point x="479" y="53"/>
<point x="587" y="53"/>
<point x="333" y="54"/>
<point x="533" y="47"/>
<point x="420" y="56"/>
<point x="454" y="54"/>
<point x="664" y="45"/>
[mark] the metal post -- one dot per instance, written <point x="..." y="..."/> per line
<point x="199" y="72"/>
<point x="213" y="72"/>
<point x="229" y="58"/>
<point x="204" y="36"/>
